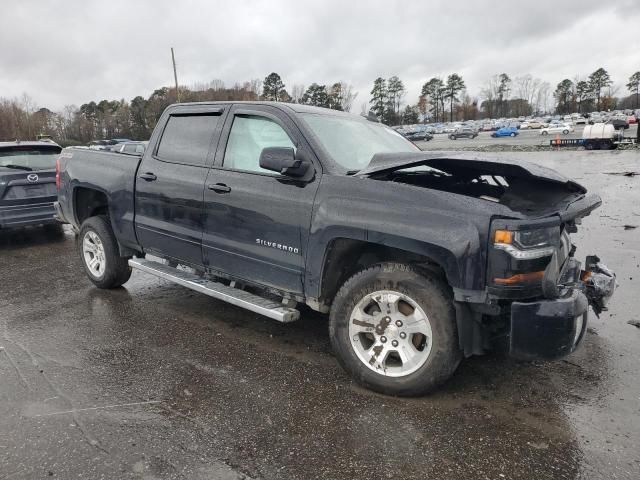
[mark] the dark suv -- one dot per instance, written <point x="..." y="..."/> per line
<point x="27" y="183"/>
<point x="464" y="132"/>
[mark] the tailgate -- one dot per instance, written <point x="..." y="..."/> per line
<point x="25" y="188"/>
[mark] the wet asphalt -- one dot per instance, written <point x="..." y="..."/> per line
<point x="153" y="381"/>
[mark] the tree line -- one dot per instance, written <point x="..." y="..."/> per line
<point x="135" y="119"/>
<point x="440" y="100"/>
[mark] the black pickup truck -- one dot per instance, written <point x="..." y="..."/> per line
<point x="420" y="258"/>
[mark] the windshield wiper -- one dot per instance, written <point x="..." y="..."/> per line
<point x="18" y="167"/>
<point x="352" y="172"/>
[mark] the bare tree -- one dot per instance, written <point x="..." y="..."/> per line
<point x="348" y="96"/>
<point x="297" y="91"/>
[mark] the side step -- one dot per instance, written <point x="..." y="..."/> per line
<point x="234" y="296"/>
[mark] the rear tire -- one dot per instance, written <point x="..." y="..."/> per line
<point x="394" y="330"/>
<point x="99" y="254"/>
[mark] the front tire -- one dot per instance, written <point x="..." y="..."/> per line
<point x="394" y="330"/>
<point x="512" y="135"/>
<point x="99" y="254"/>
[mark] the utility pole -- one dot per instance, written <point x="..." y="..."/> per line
<point x="175" y="75"/>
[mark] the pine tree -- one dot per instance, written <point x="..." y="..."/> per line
<point x="634" y="85"/>
<point x="454" y="85"/>
<point x="379" y="95"/>
<point x="273" y="88"/>
<point x="562" y="94"/>
<point x="597" y="81"/>
<point x="316" y="95"/>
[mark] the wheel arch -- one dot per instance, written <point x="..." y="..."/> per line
<point x="343" y="257"/>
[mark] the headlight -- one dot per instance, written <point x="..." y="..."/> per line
<point x="527" y="244"/>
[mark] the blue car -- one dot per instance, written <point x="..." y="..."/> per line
<point x="505" y="132"/>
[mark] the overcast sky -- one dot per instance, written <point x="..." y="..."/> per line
<point x="75" y="51"/>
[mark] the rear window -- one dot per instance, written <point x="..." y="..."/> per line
<point x="26" y="157"/>
<point x="186" y="138"/>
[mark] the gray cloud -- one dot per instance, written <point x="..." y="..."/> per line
<point x="75" y="51"/>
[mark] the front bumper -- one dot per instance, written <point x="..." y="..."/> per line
<point x="551" y="328"/>
<point x="548" y="329"/>
<point x="25" y="215"/>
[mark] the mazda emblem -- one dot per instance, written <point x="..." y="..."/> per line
<point x="32" y="177"/>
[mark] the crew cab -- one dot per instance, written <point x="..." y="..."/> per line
<point x="420" y="259"/>
<point x="27" y="183"/>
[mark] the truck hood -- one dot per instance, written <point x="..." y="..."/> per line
<point x="523" y="187"/>
<point x="444" y="161"/>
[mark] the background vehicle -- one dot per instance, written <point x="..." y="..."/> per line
<point x="565" y="129"/>
<point x="535" y="124"/>
<point x="131" y="148"/>
<point x="463" y="132"/>
<point x="600" y="136"/>
<point x="27" y="183"/>
<point x="505" y="132"/>
<point x="619" y="123"/>
<point x="418" y="259"/>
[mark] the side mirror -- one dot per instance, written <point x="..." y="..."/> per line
<point x="283" y="160"/>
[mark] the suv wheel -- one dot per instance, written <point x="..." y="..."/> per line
<point x="98" y="250"/>
<point x="394" y="330"/>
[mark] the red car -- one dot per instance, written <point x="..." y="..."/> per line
<point x="631" y="119"/>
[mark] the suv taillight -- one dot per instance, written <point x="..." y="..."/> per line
<point x="57" y="174"/>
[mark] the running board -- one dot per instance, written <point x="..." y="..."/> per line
<point x="217" y="290"/>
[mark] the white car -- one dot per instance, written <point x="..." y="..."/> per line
<point x="563" y="128"/>
<point x="524" y="126"/>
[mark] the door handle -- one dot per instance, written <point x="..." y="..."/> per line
<point x="149" y="177"/>
<point x="219" y="187"/>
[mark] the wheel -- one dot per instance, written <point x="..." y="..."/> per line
<point x="453" y="137"/>
<point x="98" y="250"/>
<point x="566" y="132"/>
<point x="394" y="330"/>
<point x="512" y="134"/>
<point x="544" y="132"/>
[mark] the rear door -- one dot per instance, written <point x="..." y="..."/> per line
<point x="170" y="183"/>
<point x="256" y="222"/>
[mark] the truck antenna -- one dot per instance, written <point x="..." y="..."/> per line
<point x="175" y="75"/>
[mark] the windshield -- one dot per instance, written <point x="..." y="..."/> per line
<point x="29" y="157"/>
<point x="352" y="142"/>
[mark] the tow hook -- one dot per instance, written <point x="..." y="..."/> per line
<point x="599" y="283"/>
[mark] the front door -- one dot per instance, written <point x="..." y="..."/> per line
<point x="256" y="222"/>
<point x="170" y="185"/>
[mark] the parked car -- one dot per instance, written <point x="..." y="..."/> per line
<point x="416" y="257"/>
<point x="419" y="136"/>
<point x="632" y="120"/>
<point x="563" y="128"/>
<point x="131" y="148"/>
<point x="536" y="124"/>
<point x="619" y="123"/>
<point x="28" y="183"/>
<point x="505" y="132"/>
<point x="464" y="132"/>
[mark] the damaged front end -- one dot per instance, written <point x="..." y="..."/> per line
<point x="536" y="294"/>
<point x="548" y="316"/>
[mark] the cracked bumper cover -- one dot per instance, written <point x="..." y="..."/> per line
<point x="552" y="328"/>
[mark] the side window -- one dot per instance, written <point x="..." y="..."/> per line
<point x="139" y="148"/>
<point x="249" y="135"/>
<point x="130" y="148"/>
<point x="186" y="138"/>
